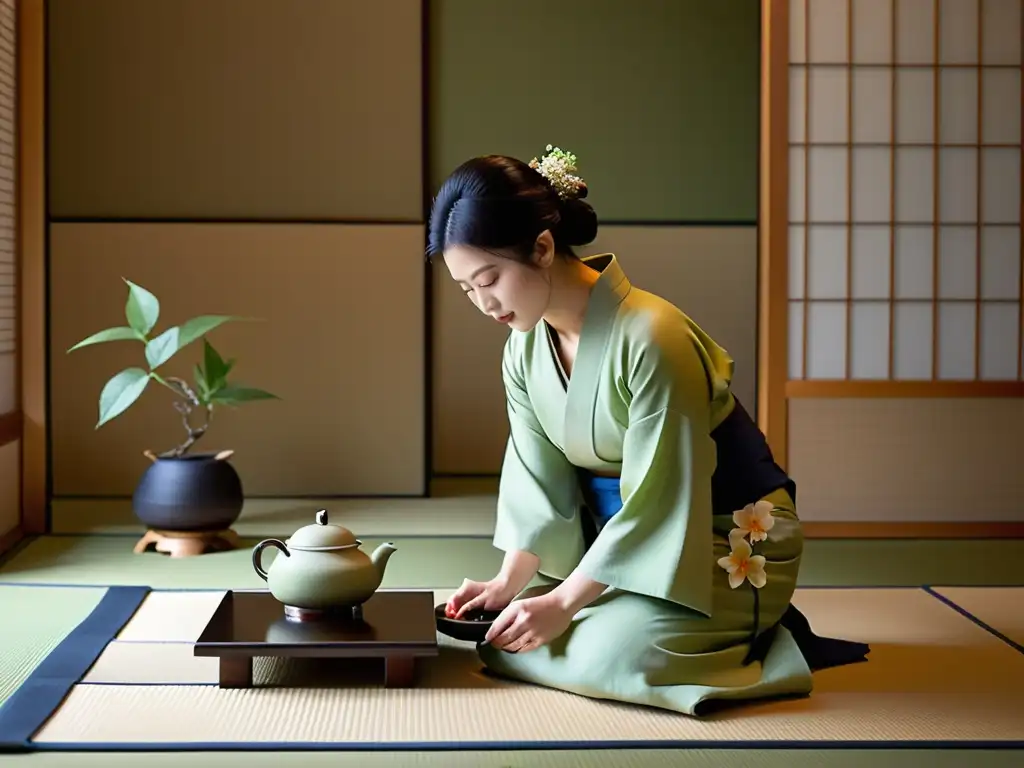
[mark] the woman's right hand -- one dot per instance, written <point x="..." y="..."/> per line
<point x="493" y="595"/>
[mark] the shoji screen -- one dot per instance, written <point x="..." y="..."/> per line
<point x="906" y="367"/>
<point x="905" y="251"/>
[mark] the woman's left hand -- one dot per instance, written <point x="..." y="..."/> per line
<point x="527" y="624"/>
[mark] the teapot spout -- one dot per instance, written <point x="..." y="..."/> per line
<point x="380" y="558"/>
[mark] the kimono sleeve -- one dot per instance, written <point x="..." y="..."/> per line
<point x="660" y="543"/>
<point x="539" y="491"/>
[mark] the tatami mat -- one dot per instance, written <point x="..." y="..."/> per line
<point x="1001" y="608"/>
<point x="109" y="560"/>
<point x="172" y="617"/>
<point x="932" y="676"/>
<point x="180" y="616"/>
<point x="456" y="507"/>
<point x="34" y="621"/>
<point x="155" y="648"/>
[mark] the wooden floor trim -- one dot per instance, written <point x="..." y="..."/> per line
<point x="830" y="530"/>
<point x="909" y="389"/>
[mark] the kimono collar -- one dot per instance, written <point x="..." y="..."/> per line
<point x="613" y="281"/>
<point x="607" y="294"/>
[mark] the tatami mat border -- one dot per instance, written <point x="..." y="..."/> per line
<point x="970" y="616"/>
<point x="531" y="746"/>
<point x="32" y="704"/>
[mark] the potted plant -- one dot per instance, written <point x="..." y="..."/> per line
<point x="180" y="491"/>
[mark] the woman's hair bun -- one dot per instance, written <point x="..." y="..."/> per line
<point x="578" y="224"/>
<point x="496" y="202"/>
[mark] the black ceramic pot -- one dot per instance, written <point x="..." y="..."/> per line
<point x="195" y="492"/>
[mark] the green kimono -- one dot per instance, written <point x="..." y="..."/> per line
<point x="646" y="391"/>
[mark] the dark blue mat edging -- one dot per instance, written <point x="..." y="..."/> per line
<point x="974" y="619"/>
<point x="41" y="694"/>
<point x="519" y="746"/>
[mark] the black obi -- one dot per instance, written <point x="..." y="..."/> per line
<point x="746" y="470"/>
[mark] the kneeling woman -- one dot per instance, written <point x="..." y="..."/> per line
<point x="634" y="487"/>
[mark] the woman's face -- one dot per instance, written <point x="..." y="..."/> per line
<point x="505" y="288"/>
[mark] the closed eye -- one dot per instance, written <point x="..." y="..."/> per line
<point x="483" y="285"/>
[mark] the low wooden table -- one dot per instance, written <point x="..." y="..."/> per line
<point x="396" y="625"/>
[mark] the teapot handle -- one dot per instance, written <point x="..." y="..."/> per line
<point x="257" y="555"/>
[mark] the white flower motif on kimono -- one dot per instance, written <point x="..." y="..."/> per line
<point x="754" y="520"/>
<point x="743" y="565"/>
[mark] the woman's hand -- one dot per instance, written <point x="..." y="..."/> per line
<point x="490" y="595"/>
<point x="527" y="624"/>
<point x="517" y="568"/>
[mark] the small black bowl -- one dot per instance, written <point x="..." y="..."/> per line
<point x="472" y="627"/>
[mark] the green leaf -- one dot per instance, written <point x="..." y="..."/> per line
<point x="162" y="348"/>
<point x="110" y="334"/>
<point x="142" y="310"/>
<point x="216" y="370"/>
<point x="120" y="392"/>
<point x="232" y="394"/>
<point x="201" y="384"/>
<point x="170" y="342"/>
<point x="200" y="326"/>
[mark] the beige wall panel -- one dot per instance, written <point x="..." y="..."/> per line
<point x="907" y="460"/>
<point x="10" y="486"/>
<point x="709" y="272"/>
<point x="235" y="109"/>
<point x="340" y="340"/>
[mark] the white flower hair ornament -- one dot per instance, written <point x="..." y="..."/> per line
<point x="559" y="168"/>
<point x="754" y="521"/>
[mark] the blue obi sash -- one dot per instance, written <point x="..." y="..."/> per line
<point x="603" y="496"/>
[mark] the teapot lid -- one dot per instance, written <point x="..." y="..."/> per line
<point x="322" y="535"/>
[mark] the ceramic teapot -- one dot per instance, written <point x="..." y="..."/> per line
<point x="321" y="567"/>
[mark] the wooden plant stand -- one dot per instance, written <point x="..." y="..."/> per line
<point x="187" y="543"/>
